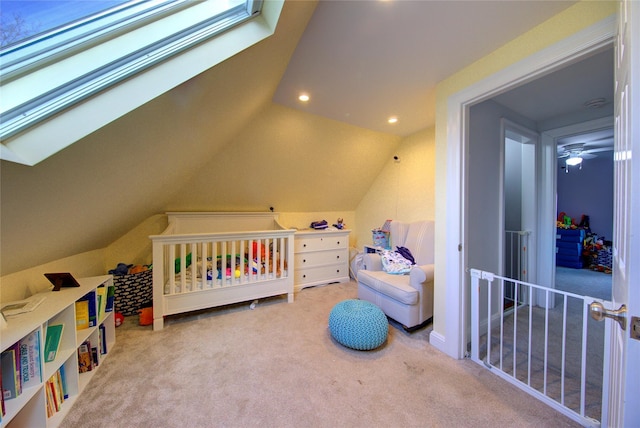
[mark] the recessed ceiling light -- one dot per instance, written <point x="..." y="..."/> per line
<point x="304" y="97"/>
<point x="392" y="119"/>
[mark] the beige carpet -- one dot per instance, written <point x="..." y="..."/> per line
<point x="277" y="366"/>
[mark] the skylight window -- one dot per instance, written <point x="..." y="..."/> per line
<point x="55" y="54"/>
<point x="22" y="20"/>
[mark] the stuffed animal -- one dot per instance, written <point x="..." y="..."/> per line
<point x="255" y="249"/>
<point x="137" y="269"/>
<point x="121" y="269"/>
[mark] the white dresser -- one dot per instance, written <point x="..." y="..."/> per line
<point x="321" y="257"/>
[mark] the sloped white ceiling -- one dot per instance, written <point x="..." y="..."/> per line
<point x="94" y="191"/>
<point x="363" y="61"/>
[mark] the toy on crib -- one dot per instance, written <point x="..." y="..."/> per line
<point x="237" y="273"/>
<point x="255" y="249"/>
<point x="178" y="263"/>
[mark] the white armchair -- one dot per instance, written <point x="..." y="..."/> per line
<point x="407" y="299"/>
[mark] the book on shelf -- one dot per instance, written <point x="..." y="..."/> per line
<point x="10" y="361"/>
<point x="30" y="369"/>
<point x="63" y="381"/>
<point x="90" y="298"/>
<point x="82" y="314"/>
<point x="49" y="400"/>
<point x="84" y="358"/>
<point x="111" y="294"/>
<point x="102" y="301"/>
<point x="102" y="334"/>
<point x="52" y="341"/>
<point x="8" y="374"/>
<point x="55" y="396"/>
<point x="55" y="392"/>
<point x="94" y="356"/>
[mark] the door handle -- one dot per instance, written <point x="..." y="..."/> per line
<point x="599" y="313"/>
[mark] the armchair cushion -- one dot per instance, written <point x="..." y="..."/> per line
<point x="396" y="287"/>
<point x="371" y="261"/>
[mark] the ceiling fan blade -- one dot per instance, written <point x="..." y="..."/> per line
<point x="599" y="150"/>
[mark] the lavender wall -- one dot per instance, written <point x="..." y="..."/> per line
<point x="589" y="191"/>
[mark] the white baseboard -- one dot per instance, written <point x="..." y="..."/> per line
<point x="438" y="341"/>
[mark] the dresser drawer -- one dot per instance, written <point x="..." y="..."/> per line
<point x="317" y="243"/>
<point x="320" y="274"/>
<point x="320" y="258"/>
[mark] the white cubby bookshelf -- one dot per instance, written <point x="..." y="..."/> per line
<point x="29" y="409"/>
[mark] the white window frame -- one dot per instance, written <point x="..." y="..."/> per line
<point x="33" y="101"/>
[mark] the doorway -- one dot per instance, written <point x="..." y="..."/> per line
<point x="585" y="194"/>
<point x="520" y="196"/>
<point x="481" y="218"/>
<point x="584" y="189"/>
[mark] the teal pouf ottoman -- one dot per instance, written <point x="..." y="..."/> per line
<point x="358" y="324"/>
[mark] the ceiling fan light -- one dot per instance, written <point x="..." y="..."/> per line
<point x="574" y="160"/>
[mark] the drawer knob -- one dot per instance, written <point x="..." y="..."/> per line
<point x="304" y="245"/>
<point x="304" y="276"/>
<point x="337" y="257"/>
<point x="304" y="260"/>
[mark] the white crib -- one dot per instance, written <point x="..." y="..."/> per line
<point x="206" y="259"/>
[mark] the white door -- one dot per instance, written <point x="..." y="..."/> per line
<point x="624" y="357"/>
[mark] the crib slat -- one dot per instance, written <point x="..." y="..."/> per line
<point x="223" y="263"/>
<point x="267" y="264"/>
<point x="205" y="265"/>
<point x="214" y="262"/>
<point x="183" y="266"/>
<point x="233" y="263"/>
<point x="194" y="266"/>
<point x="282" y="255"/>
<point x="172" y="269"/>
<point x="243" y="277"/>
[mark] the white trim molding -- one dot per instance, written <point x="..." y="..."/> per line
<point x="588" y="41"/>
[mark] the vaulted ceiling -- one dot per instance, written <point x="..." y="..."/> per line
<point x="188" y="148"/>
<point x="364" y="61"/>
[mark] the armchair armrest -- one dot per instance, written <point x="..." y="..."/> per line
<point x="420" y="274"/>
<point x="372" y="261"/>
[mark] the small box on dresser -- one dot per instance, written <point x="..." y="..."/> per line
<point x="320" y="257"/>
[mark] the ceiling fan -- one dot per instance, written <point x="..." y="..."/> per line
<point x="574" y="153"/>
